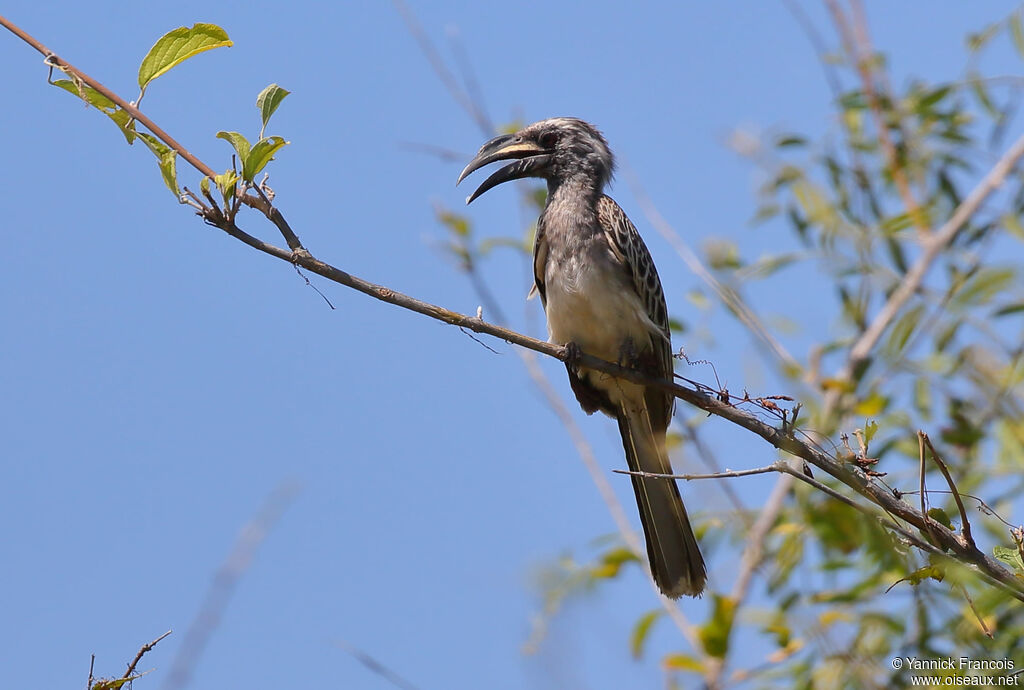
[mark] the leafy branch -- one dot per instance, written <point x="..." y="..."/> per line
<point x="238" y="187"/>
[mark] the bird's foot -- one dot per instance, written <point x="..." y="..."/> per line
<point x="628" y="356"/>
<point x="572" y="355"/>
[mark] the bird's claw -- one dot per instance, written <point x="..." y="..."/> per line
<point x="572" y="355"/>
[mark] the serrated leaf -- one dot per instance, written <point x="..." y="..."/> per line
<point x="168" y="159"/>
<point x="1009" y="556"/>
<point x="267" y="103"/>
<point x="169" y="171"/>
<point x="238" y="142"/>
<point x="176" y="46"/>
<point x="641" y="630"/>
<point x="103" y="104"/>
<point x="870" y="429"/>
<point x="158" y="147"/>
<point x="261" y="154"/>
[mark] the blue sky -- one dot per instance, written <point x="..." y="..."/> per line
<point x="161" y="379"/>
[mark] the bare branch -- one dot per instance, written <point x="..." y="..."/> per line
<point x="965" y="528"/>
<point x="375" y="666"/>
<point x="784" y="439"/>
<point x="715" y="475"/>
<point x="223" y="585"/>
<point x="142" y="651"/>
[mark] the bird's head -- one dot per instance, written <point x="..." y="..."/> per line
<point x="558" y="149"/>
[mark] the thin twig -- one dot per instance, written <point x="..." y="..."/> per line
<point x="981" y="621"/>
<point x="860" y="52"/>
<point x="440" y="69"/>
<point x="224" y="583"/>
<point x="689" y="477"/>
<point x="965" y="529"/>
<point x="731" y="300"/>
<point x="142" y="651"/>
<point x="375" y="666"/>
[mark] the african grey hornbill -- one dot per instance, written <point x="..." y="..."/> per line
<point x="602" y="296"/>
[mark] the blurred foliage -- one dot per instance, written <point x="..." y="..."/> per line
<point x="840" y="596"/>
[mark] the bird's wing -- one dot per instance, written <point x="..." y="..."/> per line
<point x="540" y="259"/>
<point x="629" y="247"/>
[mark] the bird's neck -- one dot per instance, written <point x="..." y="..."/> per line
<point x="574" y="190"/>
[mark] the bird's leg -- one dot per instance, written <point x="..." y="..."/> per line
<point x="572" y="356"/>
<point x="628" y="356"/>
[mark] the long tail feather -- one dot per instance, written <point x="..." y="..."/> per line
<point x="672" y="549"/>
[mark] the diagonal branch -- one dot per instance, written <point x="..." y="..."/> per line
<point x="719" y="404"/>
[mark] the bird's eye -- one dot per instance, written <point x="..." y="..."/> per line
<point x="548" y="139"/>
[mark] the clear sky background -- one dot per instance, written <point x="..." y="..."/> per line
<point x="160" y="379"/>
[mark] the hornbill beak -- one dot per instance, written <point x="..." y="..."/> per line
<point x="530" y="157"/>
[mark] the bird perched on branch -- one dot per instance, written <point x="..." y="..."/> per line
<point x="602" y="296"/>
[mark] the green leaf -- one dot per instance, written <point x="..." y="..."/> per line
<point x="153" y="144"/>
<point x="870" y="429"/>
<point x="790" y="140"/>
<point x="1015" y="308"/>
<point x="903" y="329"/>
<point x="103" y="104"/>
<point x="169" y="171"/>
<point x="227" y="183"/>
<point x="940" y="516"/>
<point x="923" y="397"/>
<point x="874" y="404"/>
<point x="984" y="285"/>
<point x="641" y="631"/>
<point x="765" y="266"/>
<point x="267" y="102"/>
<point x="714" y="635"/>
<point x="611" y="563"/>
<point x="929" y="572"/>
<point x="457" y="223"/>
<point x="1013" y="224"/>
<point x="114" y="683"/>
<point x="1009" y="556"/>
<point x="168" y="161"/>
<point x="933" y="97"/>
<point x="239" y="142"/>
<point x="681" y="662"/>
<point x="176" y="46"/>
<point x="978" y="87"/>
<point x="261" y="154"/>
